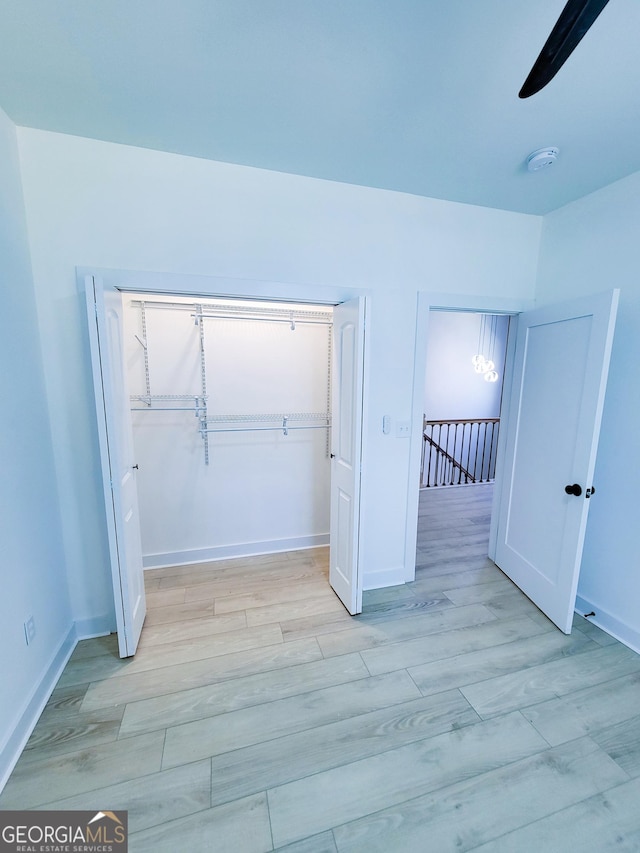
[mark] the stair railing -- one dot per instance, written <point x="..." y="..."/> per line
<point x="455" y="452"/>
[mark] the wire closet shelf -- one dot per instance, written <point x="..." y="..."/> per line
<point x="208" y="423"/>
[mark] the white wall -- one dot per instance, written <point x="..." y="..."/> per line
<point x="452" y="387"/>
<point x="261" y="491"/>
<point x="31" y="555"/>
<point x="99" y="204"/>
<point x="590" y="246"/>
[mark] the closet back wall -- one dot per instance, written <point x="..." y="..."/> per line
<point x="262" y="491"/>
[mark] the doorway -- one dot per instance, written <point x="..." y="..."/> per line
<point x="464" y="376"/>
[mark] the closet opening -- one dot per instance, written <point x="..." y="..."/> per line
<point x="255" y="472"/>
<point x="231" y="415"/>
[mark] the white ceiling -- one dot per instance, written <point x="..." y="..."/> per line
<point x="413" y="95"/>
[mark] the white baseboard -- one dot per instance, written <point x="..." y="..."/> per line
<point x="83" y="629"/>
<point x="383" y="578"/>
<point x="15" y="743"/>
<point x="613" y="626"/>
<point x="98" y="626"/>
<point x="228" y="552"/>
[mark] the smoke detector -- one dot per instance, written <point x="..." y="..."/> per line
<point x="542" y="159"/>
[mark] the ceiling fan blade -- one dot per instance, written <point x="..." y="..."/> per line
<point x="574" y="21"/>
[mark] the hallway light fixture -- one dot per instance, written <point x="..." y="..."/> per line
<point x="486" y="343"/>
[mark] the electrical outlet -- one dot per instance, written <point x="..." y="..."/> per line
<point x="403" y="429"/>
<point x="30" y="629"/>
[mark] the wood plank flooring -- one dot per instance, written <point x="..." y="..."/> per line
<point x="258" y="715"/>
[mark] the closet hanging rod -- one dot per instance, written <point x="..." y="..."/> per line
<point x="265" y="429"/>
<point x="143" y="397"/>
<point x="285" y="424"/>
<point x="292" y="321"/>
<point x="199" y="404"/>
<point x="261" y="417"/>
<point x="167" y="408"/>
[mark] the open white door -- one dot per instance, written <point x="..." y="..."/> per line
<point x="560" y="374"/>
<point x="346" y="449"/>
<point x="118" y="465"/>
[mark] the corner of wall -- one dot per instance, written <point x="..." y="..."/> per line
<point x="609" y="623"/>
<point x="35" y="584"/>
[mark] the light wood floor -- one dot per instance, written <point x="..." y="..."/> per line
<point x="258" y="715"/>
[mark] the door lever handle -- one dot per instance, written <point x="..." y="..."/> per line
<point x="575" y="489"/>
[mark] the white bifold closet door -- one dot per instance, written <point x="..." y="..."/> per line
<point x="345" y="574"/>
<point x="119" y="468"/>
